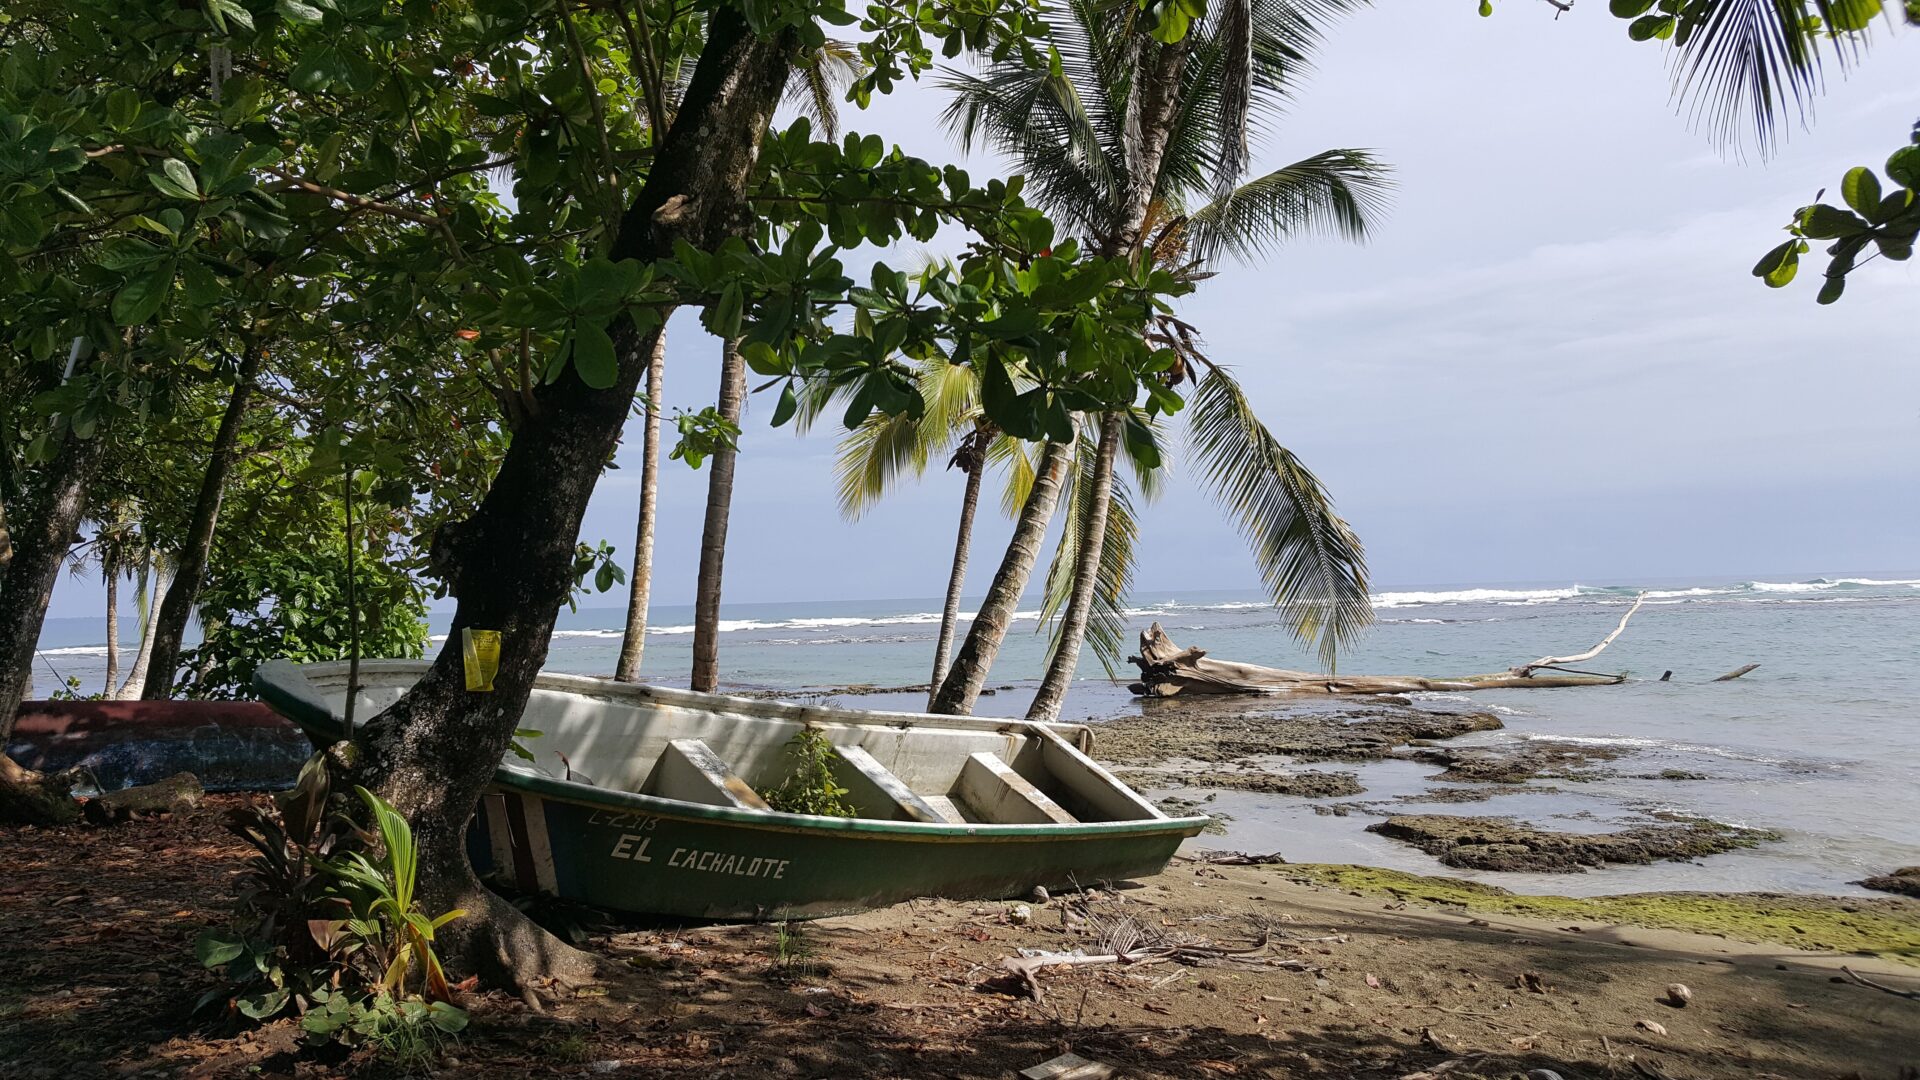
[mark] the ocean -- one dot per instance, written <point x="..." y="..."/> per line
<point x="1821" y="743"/>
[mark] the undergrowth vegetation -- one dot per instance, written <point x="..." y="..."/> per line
<point x="328" y="928"/>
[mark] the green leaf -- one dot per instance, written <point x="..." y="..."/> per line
<point x="1831" y="288"/>
<point x="1851" y="15"/>
<point x="1861" y="189"/>
<point x="1904" y="166"/>
<point x="788" y="405"/>
<point x="1823" y="222"/>
<point x="1651" y="26"/>
<point x="123" y="108"/>
<point x="123" y="253"/>
<point x="202" y="288"/>
<point x="213" y="949"/>
<point x="299" y="12"/>
<point x="262" y="1005"/>
<point x="1629" y="9"/>
<point x="723" y="315"/>
<point x="139" y="299"/>
<point x="1778" y="266"/>
<point x="175" y="180"/>
<point x="1486" y="8"/>
<point x="593" y="355"/>
<point x="233" y="10"/>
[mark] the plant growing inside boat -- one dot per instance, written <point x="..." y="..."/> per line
<point x="810" y="787"/>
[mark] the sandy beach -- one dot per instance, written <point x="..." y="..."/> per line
<point x="1347" y="972"/>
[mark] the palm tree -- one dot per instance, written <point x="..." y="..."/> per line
<point x="873" y="457"/>
<point x="151" y="581"/>
<point x="633" y="645"/>
<point x="1122" y="134"/>
<point x="823" y="74"/>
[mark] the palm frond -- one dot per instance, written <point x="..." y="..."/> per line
<point x="1013" y="454"/>
<point x="874" y="457"/>
<point x="1337" y="192"/>
<point x="1313" y="565"/>
<point x="1754" y="64"/>
<point x="1234" y="40"/>
<point x="824" y="75"/>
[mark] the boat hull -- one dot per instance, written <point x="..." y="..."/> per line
<point x="619" y="845"/>
<point x="663" y="857"/>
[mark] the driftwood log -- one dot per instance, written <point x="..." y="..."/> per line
<point x="1166" y="669"/>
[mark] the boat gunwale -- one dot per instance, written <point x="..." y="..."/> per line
<point x="306" y="712"/>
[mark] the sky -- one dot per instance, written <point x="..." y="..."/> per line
<point x="1550" y="364"/>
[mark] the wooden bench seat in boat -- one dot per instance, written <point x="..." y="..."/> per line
<point x="990" y="790"/>
<point x="688" y="770"/>
<point x="877" y="791"/>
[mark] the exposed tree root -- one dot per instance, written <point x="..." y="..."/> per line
<point x="506" y="949"/>
<point x="36" y="798"/>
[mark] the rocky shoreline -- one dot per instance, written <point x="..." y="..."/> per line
<point x="1263" y="747"/>
<point x="1481" y="843"/>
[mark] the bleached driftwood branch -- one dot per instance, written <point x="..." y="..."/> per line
<point x="1554" y="661"/>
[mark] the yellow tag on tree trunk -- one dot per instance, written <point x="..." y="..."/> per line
<point x="480" y="649"/>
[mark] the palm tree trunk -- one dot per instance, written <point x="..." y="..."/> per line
<point x="171" y="627"/>
<point x="961" y="688"/>
<point x="113" y="628"/>
<point x="713" y="537"/>
<point x="950" y="615"/>
<point x="633" y="646"/>
<point x="1086" y="577"/>
<point x="153" y="581"/>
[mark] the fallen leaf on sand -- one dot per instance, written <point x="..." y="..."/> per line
<point x="1651" y="1025"/>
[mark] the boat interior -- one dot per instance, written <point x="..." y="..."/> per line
<point x="725" y="751"/>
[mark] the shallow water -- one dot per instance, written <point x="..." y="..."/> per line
<point x="1821" y="743"/>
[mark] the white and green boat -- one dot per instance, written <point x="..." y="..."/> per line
<point x="646" y="799"/>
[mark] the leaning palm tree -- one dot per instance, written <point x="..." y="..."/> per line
<point x="874" y="457"/>
<point x="1143" y="146"/>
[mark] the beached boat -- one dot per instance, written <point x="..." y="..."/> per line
<point x="646" y="799"/>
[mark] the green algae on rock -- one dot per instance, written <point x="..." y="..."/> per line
<point x="1303" y="783"/>
<point x="1485" y="843"/>
<point x="1888" y="927"/>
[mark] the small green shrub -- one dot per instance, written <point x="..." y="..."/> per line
<point x="330" y="930"/>
<point x="792" y="954"/>
<point x="810" y="788"/>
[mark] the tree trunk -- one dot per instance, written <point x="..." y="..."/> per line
<point x="634" y="645"/>
<point x="957" y="694"/>
<point x="113" y="629"/>
<point x="510" y="565"/>
<point x="171" y="627"/>
<point x="1086" y="577"/>
<point x="956" y="581"/>
<point x="153" y="582"/>
<point x="44" y="532"/>
<point x="713" y="537"/>
<point x="1153" y="111"/>
<point x="1167" y="669"/>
